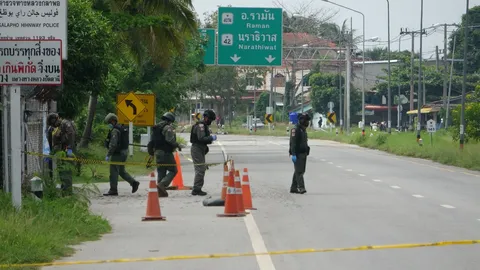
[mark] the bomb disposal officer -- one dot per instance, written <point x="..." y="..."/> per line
<point x="200" y="138"/>
<point x="299" y="150"/>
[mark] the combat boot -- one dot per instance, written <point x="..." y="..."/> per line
<point x="162" y="191"/>
<point x="111" y="193"/>
<point x="135" y="186"/>
<point x="198" y="192"/>
<point x="302" y="191"/>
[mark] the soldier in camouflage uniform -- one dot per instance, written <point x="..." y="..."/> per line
<point x="63" y="139"/>
<point x="200" y="138"/>
<point x="299" y="150"/>
<point x="162" y="144"/>
<point x="117" y="145"/>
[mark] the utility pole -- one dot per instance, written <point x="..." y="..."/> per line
<point x="389" y="95"/>
<point x="464" y="85"/>
<point x="340" y="97"/>
<point x="437" y="60"/>
<point x="419" y="114"/>
<point x="445" y="70"/>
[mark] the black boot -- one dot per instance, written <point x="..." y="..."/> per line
<point x="162" y="191"/>
<point x="135" y="186"/>
<point x="111" y="193"/>
<point x="295" y="191"/>
<point x="302" y="191"/>
<point x="198" y="192"/>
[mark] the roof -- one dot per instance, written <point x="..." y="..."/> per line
<point x="298" y="39"/>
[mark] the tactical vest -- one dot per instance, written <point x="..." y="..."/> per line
<point x="193" y="133"/>
<point x="123" y="141"/>
<point x="159" y="141"/>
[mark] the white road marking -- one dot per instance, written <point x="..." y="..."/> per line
<point x="362" y="175"/>
<point x="330" y="162"/>
<point x="264" y="261"/>
<point x="339" y="166"/>
<point x="396" y="187"/>
<point x="417" y="196"/>
<point x="377" y="180"/>
<point x="348" y="170"/>
<point x="323" y="160"/>
<point x="447" y="206"/>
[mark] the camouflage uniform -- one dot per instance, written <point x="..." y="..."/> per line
<point x="200" y="138"/>
<point x="63" y="138"/>
<point x="162" y="144"/>
<point x="299" y="148"/>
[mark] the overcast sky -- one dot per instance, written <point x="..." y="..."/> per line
<point x="403" y="14"/>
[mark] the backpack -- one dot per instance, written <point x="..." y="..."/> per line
<point x="123" y="141"/>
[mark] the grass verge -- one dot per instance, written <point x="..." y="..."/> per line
<point x="43" y="231"/>
<point x="97" y="173"/>
<point x="443" y="149"/>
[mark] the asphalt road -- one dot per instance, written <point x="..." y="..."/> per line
<point x="355" y="197"/>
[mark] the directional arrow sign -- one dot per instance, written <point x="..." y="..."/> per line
<point x="250" y="36"/>
<point x="209" y="36"/>
<point x="269" y="118"/>
<point x="332" y="118"/>
<point x="131" y="106"/>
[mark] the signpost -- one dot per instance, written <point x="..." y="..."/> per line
<point x="332" y="117"/>
<point x="145" y="118"/>
<point x="24" y="62"/>
<point x="330" y="106"/>
<point x="34" y="20"/>
<point x="269" y="118"/>
<point x="209" y="35"/>
<point x="131" y="106"/>
<point x="250" y="36"/>
<point x="431" y="128"/>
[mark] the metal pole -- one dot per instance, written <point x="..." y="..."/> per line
<point x="15" y="146"/>
<point x="255" y="100"/>
<point x="445" y="71"/>
<point x="349" y="72"/>
<point x="6" y="141"/>
<point x="301" y="81"/>
<point x="340" y="97"/>
<point x="464" y="85"/>
<point x="412" y="85"/>
<point x="270" y="102"/>
<point x="399" y="88"/>
<point x="389" y="99"/>
<point x="450" y="86"/>
<point x="419" y="95"/>
<point x="364" y="78"/>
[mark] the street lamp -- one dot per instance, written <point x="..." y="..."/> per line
<point x="363" y="62"/>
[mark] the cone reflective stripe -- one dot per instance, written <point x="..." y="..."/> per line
<point x="177" y="183"/>
<point x="239" y="195"/>
<point x="247" y="195"/>
<point x="225" y="182"/>
<point x="231" y="208"/>
<point x="153" y="203"/>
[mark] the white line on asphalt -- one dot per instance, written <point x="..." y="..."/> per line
<point x="377" y="180"/>
<point x="339" y="166"/>
<point x="447" y="206"/>
<point x="396" y="187"/>
<point x="361" y="175"/>
<point x="348" y="170"/>
<point x="330" y="162"/>
<point x="417" y="196"/>
<point x="264" y="261"/>
<point x="323" y="160"/>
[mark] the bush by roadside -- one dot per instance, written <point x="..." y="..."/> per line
<point x="43" y="231"/>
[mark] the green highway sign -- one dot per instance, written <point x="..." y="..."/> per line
<point x="209" y="35"/>
<point x="250" y="36"/>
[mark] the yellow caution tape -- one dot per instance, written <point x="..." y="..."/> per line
<point x="248" y="254"/>
<point x="103" y="162"/>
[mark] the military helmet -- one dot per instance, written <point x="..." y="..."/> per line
<point x="51" y="118"/>
<point x="169" y="117"/>
<point x="304" y="116"/>
<point x="210" y="114"/>
<point x="110" y="117"/>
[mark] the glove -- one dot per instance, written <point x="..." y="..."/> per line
<point x="69" y="153"/>
<point x="294" y="159"/>
<point x="107" y="158"/>
<point x="214" y="137"/>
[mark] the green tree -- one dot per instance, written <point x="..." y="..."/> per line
<point x="473" y="46"/>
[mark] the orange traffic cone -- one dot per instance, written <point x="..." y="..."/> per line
<point x="225" y="182"/>
<point x="231" y="209"/>
<point x="238" y="187"/>
<point x="153" y="203"/>
<point x="177" y="183"/>
<point x="247" y="195"/>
